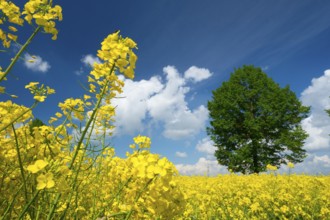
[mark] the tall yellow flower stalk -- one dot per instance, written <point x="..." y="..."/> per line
<point x="57" y="171"/>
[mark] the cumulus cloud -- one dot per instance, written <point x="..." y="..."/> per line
<point x="206" y="165"/>
<point x="160" y="102"/>
<point x="324" y="160"/>
<point x="89" y="60"/>
<point x="313" y="164"/>
<point x="181" y="154"/>
<point x="36" y="63"/>
<point x="202" y="167"/>
<point x="197" y="74"/>
<point x="317" y="125"/>
<point x="206" y="146"/>
<point x="131" y="108"/>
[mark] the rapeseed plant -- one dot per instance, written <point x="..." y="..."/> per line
<point x="55" y="171"/>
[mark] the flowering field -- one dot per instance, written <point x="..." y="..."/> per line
<point x="265" y="196"/>
<point x="57" y="171"/>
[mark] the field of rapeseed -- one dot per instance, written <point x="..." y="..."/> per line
<point x="264" y="196"/>
<point x="56" y="171"/>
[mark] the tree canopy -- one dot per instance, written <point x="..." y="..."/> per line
<point x="255" y="122"/>
<point x="35" y="123"/>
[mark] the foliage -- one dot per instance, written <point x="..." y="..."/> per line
<point x="255" y="122"/>
<point x="57" y="171"/>
<point x="264" y="196"/>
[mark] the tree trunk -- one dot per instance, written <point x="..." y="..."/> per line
<point x="255" y="157"/>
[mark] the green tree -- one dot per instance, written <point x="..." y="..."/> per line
<point x="255" y="122"/>
<point x="35" y="123"/>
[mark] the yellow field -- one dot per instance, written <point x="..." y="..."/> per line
<point x="265" y="196"/>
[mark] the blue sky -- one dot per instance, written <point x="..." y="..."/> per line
<point x="186" y="50"/>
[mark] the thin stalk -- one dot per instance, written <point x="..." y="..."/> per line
<point x="113" y="198"/>
<point x="20" y="163"/>
<point x="13" y="121"/>
<point x="51" y="212"/>
<point x="28" y="205"/>
<point x="137" y="198"/>
<point x="50" y="215"/>
<point x="11" y="204"/>
<point x="38" y="213"/>
<point x="19" y="53"/>
<point x="75" y="186"/>
<point x="90" y="120"/>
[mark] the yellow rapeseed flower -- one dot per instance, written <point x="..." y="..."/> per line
<point x="271" y="167"/>
<point x="45" y="181"/>
<point x="290" y="165"/>
<point x="2" y="89"/>
<point x="31" y="85"/>
<point x="59" y="115"/>
<point x="43" y="14"/>
<point x="13" y="29"/>
<point x="39" y="98"/>
<point x="37" y="166"/>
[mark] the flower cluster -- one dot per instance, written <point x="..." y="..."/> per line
<point x="39" y="93"/>
<point x="43" y="14"/>
<point x="270" y="167"/>
<point x="10" y="13"/>
<point x="117" y="51"/>
<point x="66" y="169"/>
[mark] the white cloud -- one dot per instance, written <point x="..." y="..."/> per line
<point x="264" y="68"/>
<point x="185" y="123"/>
<point x="313" y="164"/>
<point x="36" y="63"/>
<point x="324" y="160"/>
<point x="79" y="72"/>
<point x="162" y="102"/>
<point x="89" y="60"/>
<point x="206" y="146"/>
<point x="207" y="165"/>
<point x="181" y="154"/>
<point x="202" y="167"/>
<point x="131" y="108"/>
<point x="317" y="125"/>
<point x="197" y="74"/>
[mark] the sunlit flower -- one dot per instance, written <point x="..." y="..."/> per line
<point x="45" y="181"/>
<point x="271" y="167"/>
<point x="40" y="98"/>
<point x="290" y="165"/>
<point x="37" y="166"/>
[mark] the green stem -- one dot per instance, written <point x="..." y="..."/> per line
<point x="50" y="215"/>
<point x="28" y="205"/>
<point x="75" y="186"/>
<point x="20" y="163"/>
<point x="21" y="115"/>
<point x="113" y="198"/>
<point x="38" y="213"/>
<point x="90" y="120"/>
<point x="12" y="63"/>
<point x="12" y="203"/>
<point x="137" y="197"/>
<point x="51" y="212"/>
